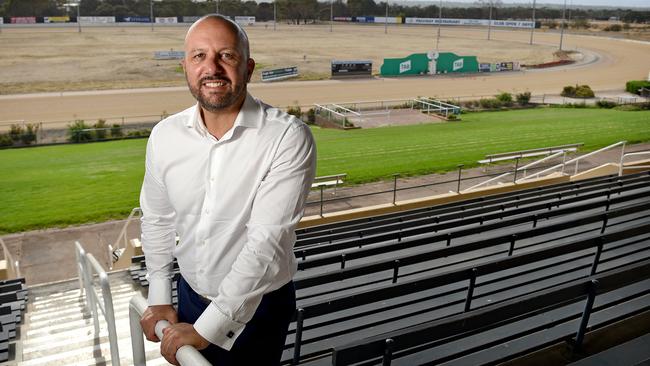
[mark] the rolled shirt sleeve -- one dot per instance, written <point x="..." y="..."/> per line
<point x="277" y="208"/>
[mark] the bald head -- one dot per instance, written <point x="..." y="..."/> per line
<point x="232" y="27"/>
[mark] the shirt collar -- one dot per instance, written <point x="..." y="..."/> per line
<point x="250" y="115"/>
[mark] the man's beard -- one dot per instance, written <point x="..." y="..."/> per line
<point x="208" y="102"/>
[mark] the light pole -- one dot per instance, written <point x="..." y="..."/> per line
<point x="151" y="13"/>
<point x="274" y="14"/>
<point x="217" y="6"/>
<point x="439" y="23"/>
<point x="563" y="21"/>
<point x="331" y="14"/>
<point x="386" y="19"/>
<point x="77" y="5"/>
<point x="490" y="21"/>
<point x="78" y="20"/>
<point x="532" y="29"/>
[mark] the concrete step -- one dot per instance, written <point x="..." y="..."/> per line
<point x="59" y="330"/>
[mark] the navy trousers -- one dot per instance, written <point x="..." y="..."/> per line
<point x="262" y="341"/>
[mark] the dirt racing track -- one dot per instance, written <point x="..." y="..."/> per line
<point x="606" y="65"/>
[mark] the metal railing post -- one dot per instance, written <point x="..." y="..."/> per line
<point x="109" y="313"/>
<point x="460" y="169"/>
<point x="321" y="201"/>
<point x="593" y="285"/>
<point x="516" y="168"/>
<point x="137" y="339"/>
<point x="395" y="187"/>
<point x="298" y="342"/>
<point x="470" y="289"/>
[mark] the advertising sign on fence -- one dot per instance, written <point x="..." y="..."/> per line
<point x="2" y="20"/>
<point x="506" y="66"/>
<point x="481" y="22"/>
<point x="241" y="20"/>
<point x="389" y="20"/>
<point x="136" y="19"/>
<point x="343" y="19"/>
<point x="279" y="74"/>
<point x="484" y="67"/>
<point x="169" y="55"/>
<point x="62" y="19"/>
<point x="190" y="19"/>
<point x="166" y="20"/>
<point x="352" y="68"/>
<point x="97" y="20"/>
<point x="23" y="20"/>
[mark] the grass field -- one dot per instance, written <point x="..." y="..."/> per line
<point x="73" y="184"/>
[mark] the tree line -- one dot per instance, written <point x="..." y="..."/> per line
<point x="305" y="10"/>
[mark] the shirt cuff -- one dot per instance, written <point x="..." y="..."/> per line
<point x="160" y="291"/>
<point x="217" y="328"/>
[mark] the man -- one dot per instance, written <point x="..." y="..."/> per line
<point x="230" y="177"/>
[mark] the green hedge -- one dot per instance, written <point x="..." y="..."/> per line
<point x="633" y="86"/>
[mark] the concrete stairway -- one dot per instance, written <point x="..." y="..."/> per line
<point x="58" y="329"/>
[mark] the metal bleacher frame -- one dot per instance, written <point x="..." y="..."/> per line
<point x="386" y="345"/>
<point x="318" y="309"/>
<point x="358" y="227"/>
<point x="348" y="271"/>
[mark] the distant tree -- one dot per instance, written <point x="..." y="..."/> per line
<point x="264" y="12"/>
<point x="104" y="9"/>
<point x="580" y="24"/>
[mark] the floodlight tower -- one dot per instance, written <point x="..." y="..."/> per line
<point x="77" y="5"/>
<point x="439" y="23"/>
<point x="151" y="11"/>
<point x="563" y="24"/>
<point x="490" y="21"/>
<point x="532" y="29"/>
<point x="386" y="19"/>
<point x="331" y="14"/>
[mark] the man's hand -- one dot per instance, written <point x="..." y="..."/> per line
<point x="177" y="335"/>
<point x="152" y="315"/>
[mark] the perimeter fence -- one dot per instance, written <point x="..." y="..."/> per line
<point x="21" y="133"/>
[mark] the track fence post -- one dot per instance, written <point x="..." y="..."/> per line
<point x="460" y="170"/>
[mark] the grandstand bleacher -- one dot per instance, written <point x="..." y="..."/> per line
<point x="13" y="299"/>
<point x="455" y="268"/>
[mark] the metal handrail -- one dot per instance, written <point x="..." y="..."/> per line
<point x="122" y="241"/>
<point x="186" y="355"/>
<point x="524" y="168"/>
<point x="621" y="167"/>
<point x="576" y="160"/>
<point x="87" y="267"/>
<point x="13" y="266"/>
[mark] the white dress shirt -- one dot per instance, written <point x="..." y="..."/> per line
<point x="234" y="203"/>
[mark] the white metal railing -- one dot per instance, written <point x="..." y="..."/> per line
<point x="116" y="250"/>
<point x="186" y="355"/>
<point x="13" y="266"/>
<point x="438" y="106"/>
<point x="621" y="166"/>
<point x="329" y="112"/>
<point x="87" y="267"/>
<point x="523" y="168"/>
<point x="576" y="161"/>
<point x="492" y="158"/>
